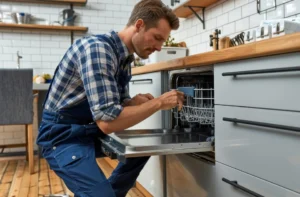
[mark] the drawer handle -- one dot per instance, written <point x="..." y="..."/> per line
<point x="262" y="124"/>
<point x="272" y="70"/>
<point x="235" y="184"/>
<point x="171" y="52"/>
<point x="141" y="80"/>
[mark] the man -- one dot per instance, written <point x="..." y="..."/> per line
<point x="89" y="98"/>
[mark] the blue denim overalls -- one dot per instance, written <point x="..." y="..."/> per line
<point x="69" y="138"/>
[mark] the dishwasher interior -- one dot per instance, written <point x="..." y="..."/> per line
<point x="197" y="114"/>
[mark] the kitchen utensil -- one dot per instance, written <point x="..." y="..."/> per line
<point x="68" y="16"/>
<point x="21" y="17"/>
<point x="224" y="42"/>
<point x="6" y="17"/>
<point x="214" y="39"/>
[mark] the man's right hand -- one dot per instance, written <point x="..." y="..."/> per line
<point x="172" y="99"/>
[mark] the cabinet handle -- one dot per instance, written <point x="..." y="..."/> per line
<point x="262" y="124"/>
<point x="171" y="52"/>
<point x="141" y="80"/>
<point x="272" y="70"/>
<point x="235" y="184"/>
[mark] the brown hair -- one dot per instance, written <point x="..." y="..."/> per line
<point x="151" y="11"/>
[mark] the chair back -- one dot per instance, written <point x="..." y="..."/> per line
<point x="16" y="96"/>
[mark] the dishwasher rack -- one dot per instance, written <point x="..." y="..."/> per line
<point x="199" y="103"/>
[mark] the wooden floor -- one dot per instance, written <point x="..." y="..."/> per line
<point x="15" y="180"/>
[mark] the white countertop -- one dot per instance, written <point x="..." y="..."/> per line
<point x="42" y="86"/>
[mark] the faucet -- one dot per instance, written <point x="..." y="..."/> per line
<point x="19" y="57"/>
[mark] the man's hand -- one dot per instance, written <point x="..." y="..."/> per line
<point x="139" y="99"/>
<point x="171" y="100"/>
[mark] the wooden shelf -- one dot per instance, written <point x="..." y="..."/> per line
<point x="64" y="2"/>
<point x="44" y="27"/>
<point x="183" y="11"/>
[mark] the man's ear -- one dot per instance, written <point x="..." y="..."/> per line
<point x="139" y="24"/>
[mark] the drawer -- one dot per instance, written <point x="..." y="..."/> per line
<point x="256" y="146"/>
<point x="234" y="183"/>
<point x="262" y="86"/>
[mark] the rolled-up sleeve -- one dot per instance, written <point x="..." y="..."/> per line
<point x="97" y="71"/>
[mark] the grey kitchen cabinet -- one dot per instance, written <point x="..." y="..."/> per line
<point x="268" y="82"/>
<point x="257" y="126"/>
<point x="268" y="153"/>
<point x="235" y="183"/>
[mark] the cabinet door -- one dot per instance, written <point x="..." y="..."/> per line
<point x="264" y="143"/>
<point x="147" y="83"/>
<point x="267" y="82"/>
<point x="234" y="183"/>
<point x="151" y="177"/>
<point x="190" y="177"/>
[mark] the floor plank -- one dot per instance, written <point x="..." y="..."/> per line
<point x="3" y="166"/>
<point x="44" y="182"/>
<point x="7" y="178"/>
<point x="34" y="180"/>
<point x="55" y="183"/>
<point x="16" y="181"/>
<point x="18" y="176"/>
<point x="25" y="184"/>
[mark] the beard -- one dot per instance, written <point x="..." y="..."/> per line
<point x="139" y="48"/>
<point x="142" y="53"/>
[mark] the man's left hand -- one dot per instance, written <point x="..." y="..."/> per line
<point x="139" y="99"/>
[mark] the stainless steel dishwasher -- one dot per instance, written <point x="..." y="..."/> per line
<point x="190" y="130"/>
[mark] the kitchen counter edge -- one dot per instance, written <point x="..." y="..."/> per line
<point x="278" y="45"/>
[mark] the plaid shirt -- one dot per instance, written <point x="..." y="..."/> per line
<point x="95" y="70"/>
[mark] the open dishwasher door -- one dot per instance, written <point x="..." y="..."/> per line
<point x="137" y="143"/>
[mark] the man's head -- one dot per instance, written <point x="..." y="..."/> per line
<point x="152" y="22"/>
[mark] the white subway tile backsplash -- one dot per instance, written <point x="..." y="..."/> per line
<point x="31" y="51"/>
<point x="120" y="14"/>
<point x="228" y="29"/>
<point x="222" y="19"/>
<point x="21" y="43"/>
<point x="255" y="20"/>
<point x="196" y="39"/>
<point x="5" y="43"/>
<point x="113" y="7"/>
<point x="6" y="57"/>
<point x="205" y="36"/>
<point x="36" y="58"/>
<point x="276" y="14"/>
<point x="216" y="11"/>
<point x="239" y="3"/>
<point x="119" y="2"/>
<point x="235" y="14"/>
<point x="211" y="24"/>
<point x="97" y="20"/>
<point x="242" y="25"/>
<point x="9" y="50"/>
<point x="105" y="13"/>
<point x="5" y="8"/>
<point x="292" y="8"/>
<point x="126" y="8"/>
<point x="228" y="6"/>
<point x="249" y="9"/>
